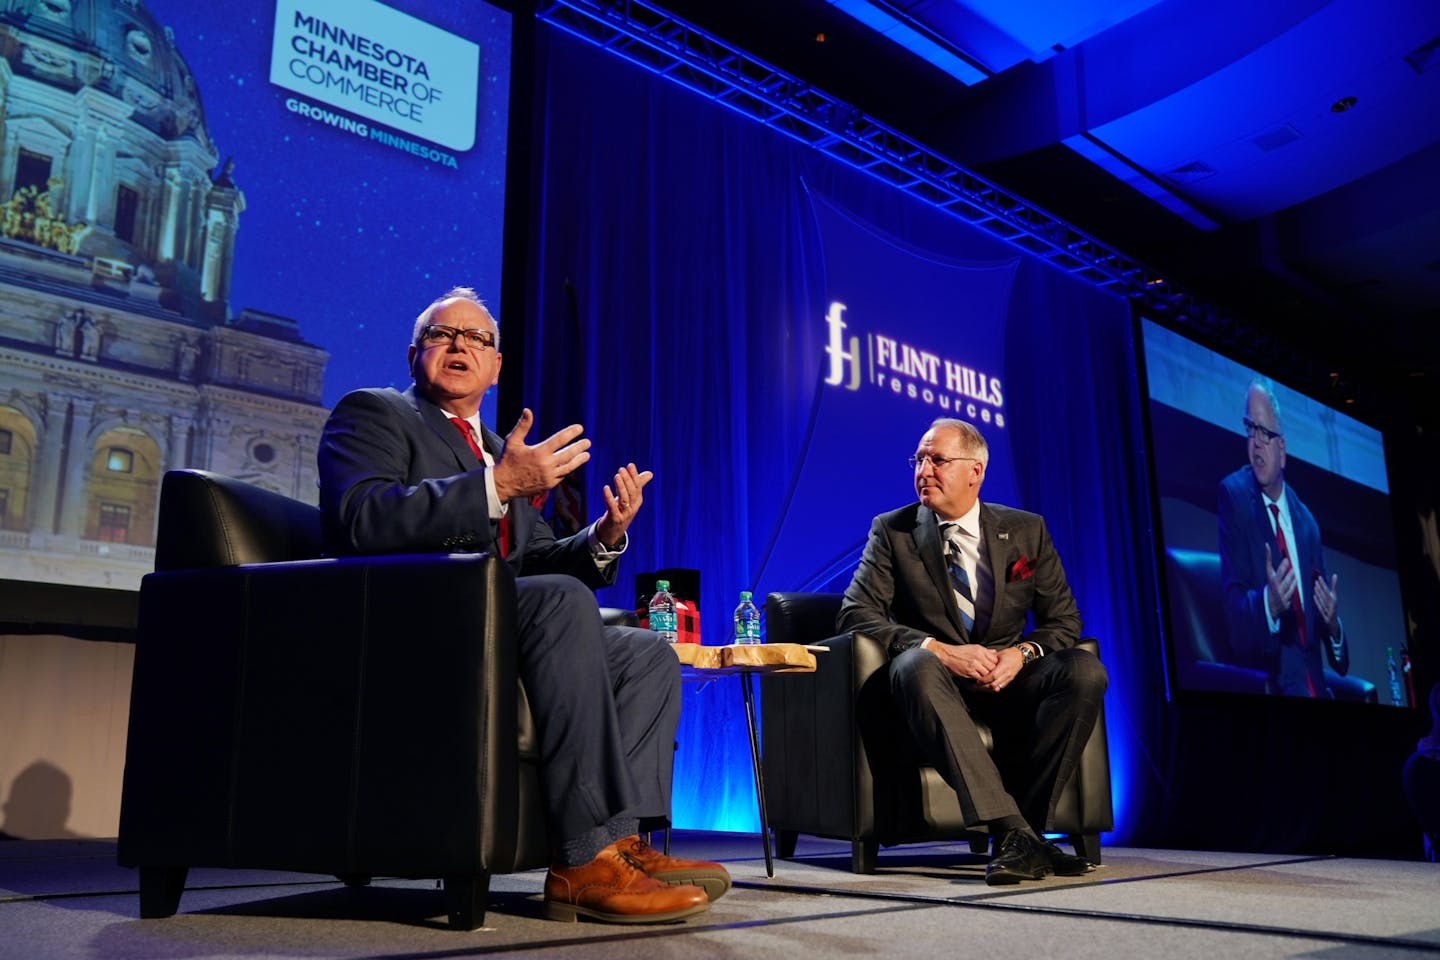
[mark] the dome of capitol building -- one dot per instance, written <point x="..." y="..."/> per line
<point x="113" y="46"/>
<point x="119" y="355"/>
<point x="106" y="153"/>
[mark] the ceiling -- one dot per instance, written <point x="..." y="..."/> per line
<point x="1279" y="158"/>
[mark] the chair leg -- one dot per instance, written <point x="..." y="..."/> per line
<point x="160" y="889"/>
<point x="1086" y="845"/>
<point x="785" y="841"/>
<point x="863" y="854"/>
<point x="649" y="826"/>
<point x="465" y="900"/>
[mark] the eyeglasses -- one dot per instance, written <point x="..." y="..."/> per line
<point x="1254" y="431"/>
<point x="936" y="462"/>
<point x="475" y="339"/>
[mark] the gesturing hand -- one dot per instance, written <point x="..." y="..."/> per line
<point x="1282" y="581"/>
<point x="622" y="503"/>
<point x="523" y="470"/>
<point x="1327" y="602"/>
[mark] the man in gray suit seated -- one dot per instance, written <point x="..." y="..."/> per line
<point x="947" y="584"/>
<point x="418" y="472"/>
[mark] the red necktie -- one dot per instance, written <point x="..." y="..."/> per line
<point x="463" y="428"/>
<point x="1294" y="597"/>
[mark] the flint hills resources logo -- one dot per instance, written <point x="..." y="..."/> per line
<point x="903" y="370"/>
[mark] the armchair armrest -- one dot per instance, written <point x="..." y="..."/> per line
<point x="813" y="754"/>
<point x="836" y="758"/>
<point x="249" y="676"/>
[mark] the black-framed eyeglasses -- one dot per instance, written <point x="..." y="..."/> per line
<point x="936" y="462"/>
<point x="1254" y="431"/>
<point x="474" y="339"/>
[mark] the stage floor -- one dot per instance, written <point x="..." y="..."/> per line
<point x="67" y="898"/>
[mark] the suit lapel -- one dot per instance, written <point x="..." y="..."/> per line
<point x="439" y="424"/>
<point x="997" y="545"/>
<point x="1260" y="516"/>
<point x="1299" y="547"/>
<point x="932" y="555"/>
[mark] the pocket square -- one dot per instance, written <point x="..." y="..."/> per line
<point x="1022" y="569"/>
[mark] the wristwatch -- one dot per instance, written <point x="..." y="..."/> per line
<point x="1027" y="652"/>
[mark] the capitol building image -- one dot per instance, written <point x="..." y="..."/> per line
<point x="120" y="357"/>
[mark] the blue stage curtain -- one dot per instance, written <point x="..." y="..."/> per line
<point x="686" y="233"/>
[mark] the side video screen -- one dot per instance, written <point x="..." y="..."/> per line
<point x="1275" y="534"/>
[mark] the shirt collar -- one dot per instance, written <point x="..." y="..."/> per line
<point x="1278" y="501"/>
<point x="968" y="522"/>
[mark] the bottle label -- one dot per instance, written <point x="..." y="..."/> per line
<point x="747" y="626"/>
<point x="662" y="621"/>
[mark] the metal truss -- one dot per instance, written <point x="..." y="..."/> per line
<point x="660" y="42"/>
<point x="679" y="51"/>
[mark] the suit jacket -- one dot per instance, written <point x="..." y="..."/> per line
<point x="1245" y="531"/>
<point x="397" y="477"/>
<point x="901" y="591"/>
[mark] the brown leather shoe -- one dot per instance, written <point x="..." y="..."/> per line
<point x="710" y="877"/>
<point x="614" y="888"/>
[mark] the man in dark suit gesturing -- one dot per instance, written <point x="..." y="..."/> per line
<point x="947" y="583"/>
<point x="1279" y="606"/>
<point x="417" y="471"/>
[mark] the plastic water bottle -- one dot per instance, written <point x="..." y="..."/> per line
<point x="747" y="620"/>
<point x="1394" y="671"/>
<point x="662" y="611"/>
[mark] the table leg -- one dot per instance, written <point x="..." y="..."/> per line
<point x="747" y="690"/>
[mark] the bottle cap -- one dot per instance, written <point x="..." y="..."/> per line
<point x="744" y="595"/>
<point x="662" y="585"/>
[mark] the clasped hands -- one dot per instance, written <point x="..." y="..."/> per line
<point x="1283" y="582"/>
<point x="991" y="670"/>
<point x="524" y="470"/>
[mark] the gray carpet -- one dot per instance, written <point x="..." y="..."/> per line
<point x="68" y="899"/>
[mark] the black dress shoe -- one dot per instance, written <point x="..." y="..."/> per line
<point x="1019" y="857"/>
<point x="1066" y="865"/>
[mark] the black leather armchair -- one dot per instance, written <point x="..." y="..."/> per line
<point x="1200" y="639"/>
<point x="358" y="717"/>
<point x="835" y="760"/>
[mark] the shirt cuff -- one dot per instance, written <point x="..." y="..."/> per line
<point x="497" y="508"/>
<point x="604" y="556"/>
<point x="1272" y="622"/>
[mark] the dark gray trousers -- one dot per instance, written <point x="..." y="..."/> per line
<point x="606" y="703"/>
<point x="1040" y="724"/>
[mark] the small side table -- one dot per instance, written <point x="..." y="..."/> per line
<point x="702" y="663"/>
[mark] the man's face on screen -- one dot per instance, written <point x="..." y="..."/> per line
<point x="454" y="374"/>
<point x="949" y="490"/>
<point x="1266" y="449"/>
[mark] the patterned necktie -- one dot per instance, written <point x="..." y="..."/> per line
<point x="1294" y="597"/>
<point x="960" y="577"/>
<point x="465" y="430"/>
